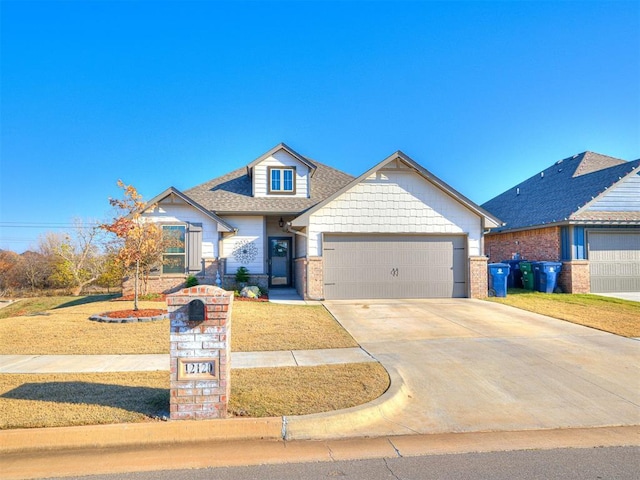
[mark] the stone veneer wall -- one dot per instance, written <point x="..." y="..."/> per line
<point x="478" y="277"/>
<point x="575" y="277"/>
<point x="173" y="283"/>
<point x="200" y="352"/>
<point x="540" y="244"/>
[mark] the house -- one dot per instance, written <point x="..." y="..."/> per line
<point x="396" y="231"/>
<point x="583" y="211"/>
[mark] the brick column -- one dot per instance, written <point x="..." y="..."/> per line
<point x="575" y="277"/>
<point x="478" y="277"/>
<point x="200" y="356"/>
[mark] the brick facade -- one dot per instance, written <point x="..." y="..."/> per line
<point x="540" y="244"/>
<point x="478" y="279"/>
<point x="315" y="281"/>
<point x="173" y="283"/>
<point x="575" y="277"/>
<point x="200" y="352"/>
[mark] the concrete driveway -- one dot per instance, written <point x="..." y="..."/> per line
<point x="462" y="365"/>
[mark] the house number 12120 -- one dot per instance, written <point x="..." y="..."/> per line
<point x="196" y="368"/>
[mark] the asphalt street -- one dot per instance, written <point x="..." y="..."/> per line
<point x="619" y="463"/>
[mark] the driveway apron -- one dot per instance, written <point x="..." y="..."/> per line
<point x="468" y="365"/>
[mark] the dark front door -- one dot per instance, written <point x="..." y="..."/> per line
<point x="279" y="261"/>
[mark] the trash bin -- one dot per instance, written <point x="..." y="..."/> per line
<point x="527" y="275"/>
<point x="515" y="275"/>
<point x="549" y="276"/>
<point x="498" y="273"/>
<point x="535" y="266"/>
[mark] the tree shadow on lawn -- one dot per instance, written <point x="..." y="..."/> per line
<point x="88" y="299"/>
<point x="145" y="400"/>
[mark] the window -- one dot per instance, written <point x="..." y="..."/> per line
<point x="173" y="256"/>
<point x="282" y="180"/>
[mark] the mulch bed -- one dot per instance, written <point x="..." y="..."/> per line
<point x="131" y="316"/>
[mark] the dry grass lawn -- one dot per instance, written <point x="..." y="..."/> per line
<point x="261" y="392"/>
<point x="67" y="330"/>
<point x="612" y="315"/>
<point x="60" y="325"/>
<point x="30" y="401"/>
<point x="56" y="400"/>
<point x="52" y="328"/>
<point x="270" y="326"/>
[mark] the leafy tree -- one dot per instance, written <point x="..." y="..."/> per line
<point x="139" y="243"/>
<point x="112" y="274"/>
<point x="34" y="270"/>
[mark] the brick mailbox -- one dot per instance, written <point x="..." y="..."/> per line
<point x="200" y="352"/>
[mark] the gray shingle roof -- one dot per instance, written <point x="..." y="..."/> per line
<point x="559" y="192"/>
<point x="231" y="193"/>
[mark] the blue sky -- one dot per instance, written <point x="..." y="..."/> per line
<point x="159" y="94"/>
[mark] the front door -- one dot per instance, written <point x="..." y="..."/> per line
<point x="279" y="261"/>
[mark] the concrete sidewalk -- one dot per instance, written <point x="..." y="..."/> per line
<point x="145" y="363"/>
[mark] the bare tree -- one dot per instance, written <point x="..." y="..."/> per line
<point x="78" y="256"/>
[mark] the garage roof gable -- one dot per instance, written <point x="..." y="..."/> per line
<point x="401" y="161"/>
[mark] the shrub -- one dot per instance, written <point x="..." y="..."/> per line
<point x="242" y="275"/>
<point x="191" y="281"/>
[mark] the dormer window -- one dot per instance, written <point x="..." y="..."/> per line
<point x="282" y="180"/>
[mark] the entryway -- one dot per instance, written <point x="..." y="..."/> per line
<point x="280" y="262"/>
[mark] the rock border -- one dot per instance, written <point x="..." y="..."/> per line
<point x="103" y="318"/>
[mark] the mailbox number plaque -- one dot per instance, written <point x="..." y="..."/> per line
<point x="197" y="369"/>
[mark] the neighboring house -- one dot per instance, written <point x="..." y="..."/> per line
<point x="584" y="211"/>
<point x="397" y="231"/>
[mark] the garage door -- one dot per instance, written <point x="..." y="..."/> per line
<point x="614" y="261"/>
<point x="393" y="266"/>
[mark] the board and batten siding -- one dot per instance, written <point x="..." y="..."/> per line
<point x="180" y="214"/>
<point x="395" y="202"/>
<point x="280" y="159"/>
<point x="624" y="197"/>
<point x="251" y="232"/>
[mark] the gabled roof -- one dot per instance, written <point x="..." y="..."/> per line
<point x="290" y="151"/>
<point x="223" y="226"/>
<point x="490" y="220"/>
<point x="231" y="193"/>
<point x="561" y="193"/>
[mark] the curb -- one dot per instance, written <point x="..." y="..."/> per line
<point x="346" y="423"/>
<point x="139" y="434"/>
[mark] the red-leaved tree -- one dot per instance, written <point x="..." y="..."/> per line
<point x="139" y="242"/>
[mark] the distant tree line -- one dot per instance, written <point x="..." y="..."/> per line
<point x="90" y="254"/>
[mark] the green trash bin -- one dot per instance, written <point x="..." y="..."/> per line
<point x="527" y="275"/>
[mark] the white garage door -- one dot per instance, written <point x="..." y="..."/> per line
<point x="614" y="261"/>
<point x="394" y="266"/>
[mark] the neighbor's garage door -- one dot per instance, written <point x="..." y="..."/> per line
<point x="614" y="261"/>
<point x="394" y="266"/>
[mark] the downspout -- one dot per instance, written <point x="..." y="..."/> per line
<point x="306" y="259"/>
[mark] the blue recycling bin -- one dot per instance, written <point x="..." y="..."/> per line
<point x="535" y="266"/>
<point x="514" y="280"/>
<point x="549" y="272"/>
<point x="498" y="274"/>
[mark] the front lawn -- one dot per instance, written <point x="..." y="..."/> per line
<point x="613" y="315"/>
<point x="61" y="326"/>
<point x="56" y="400"/>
